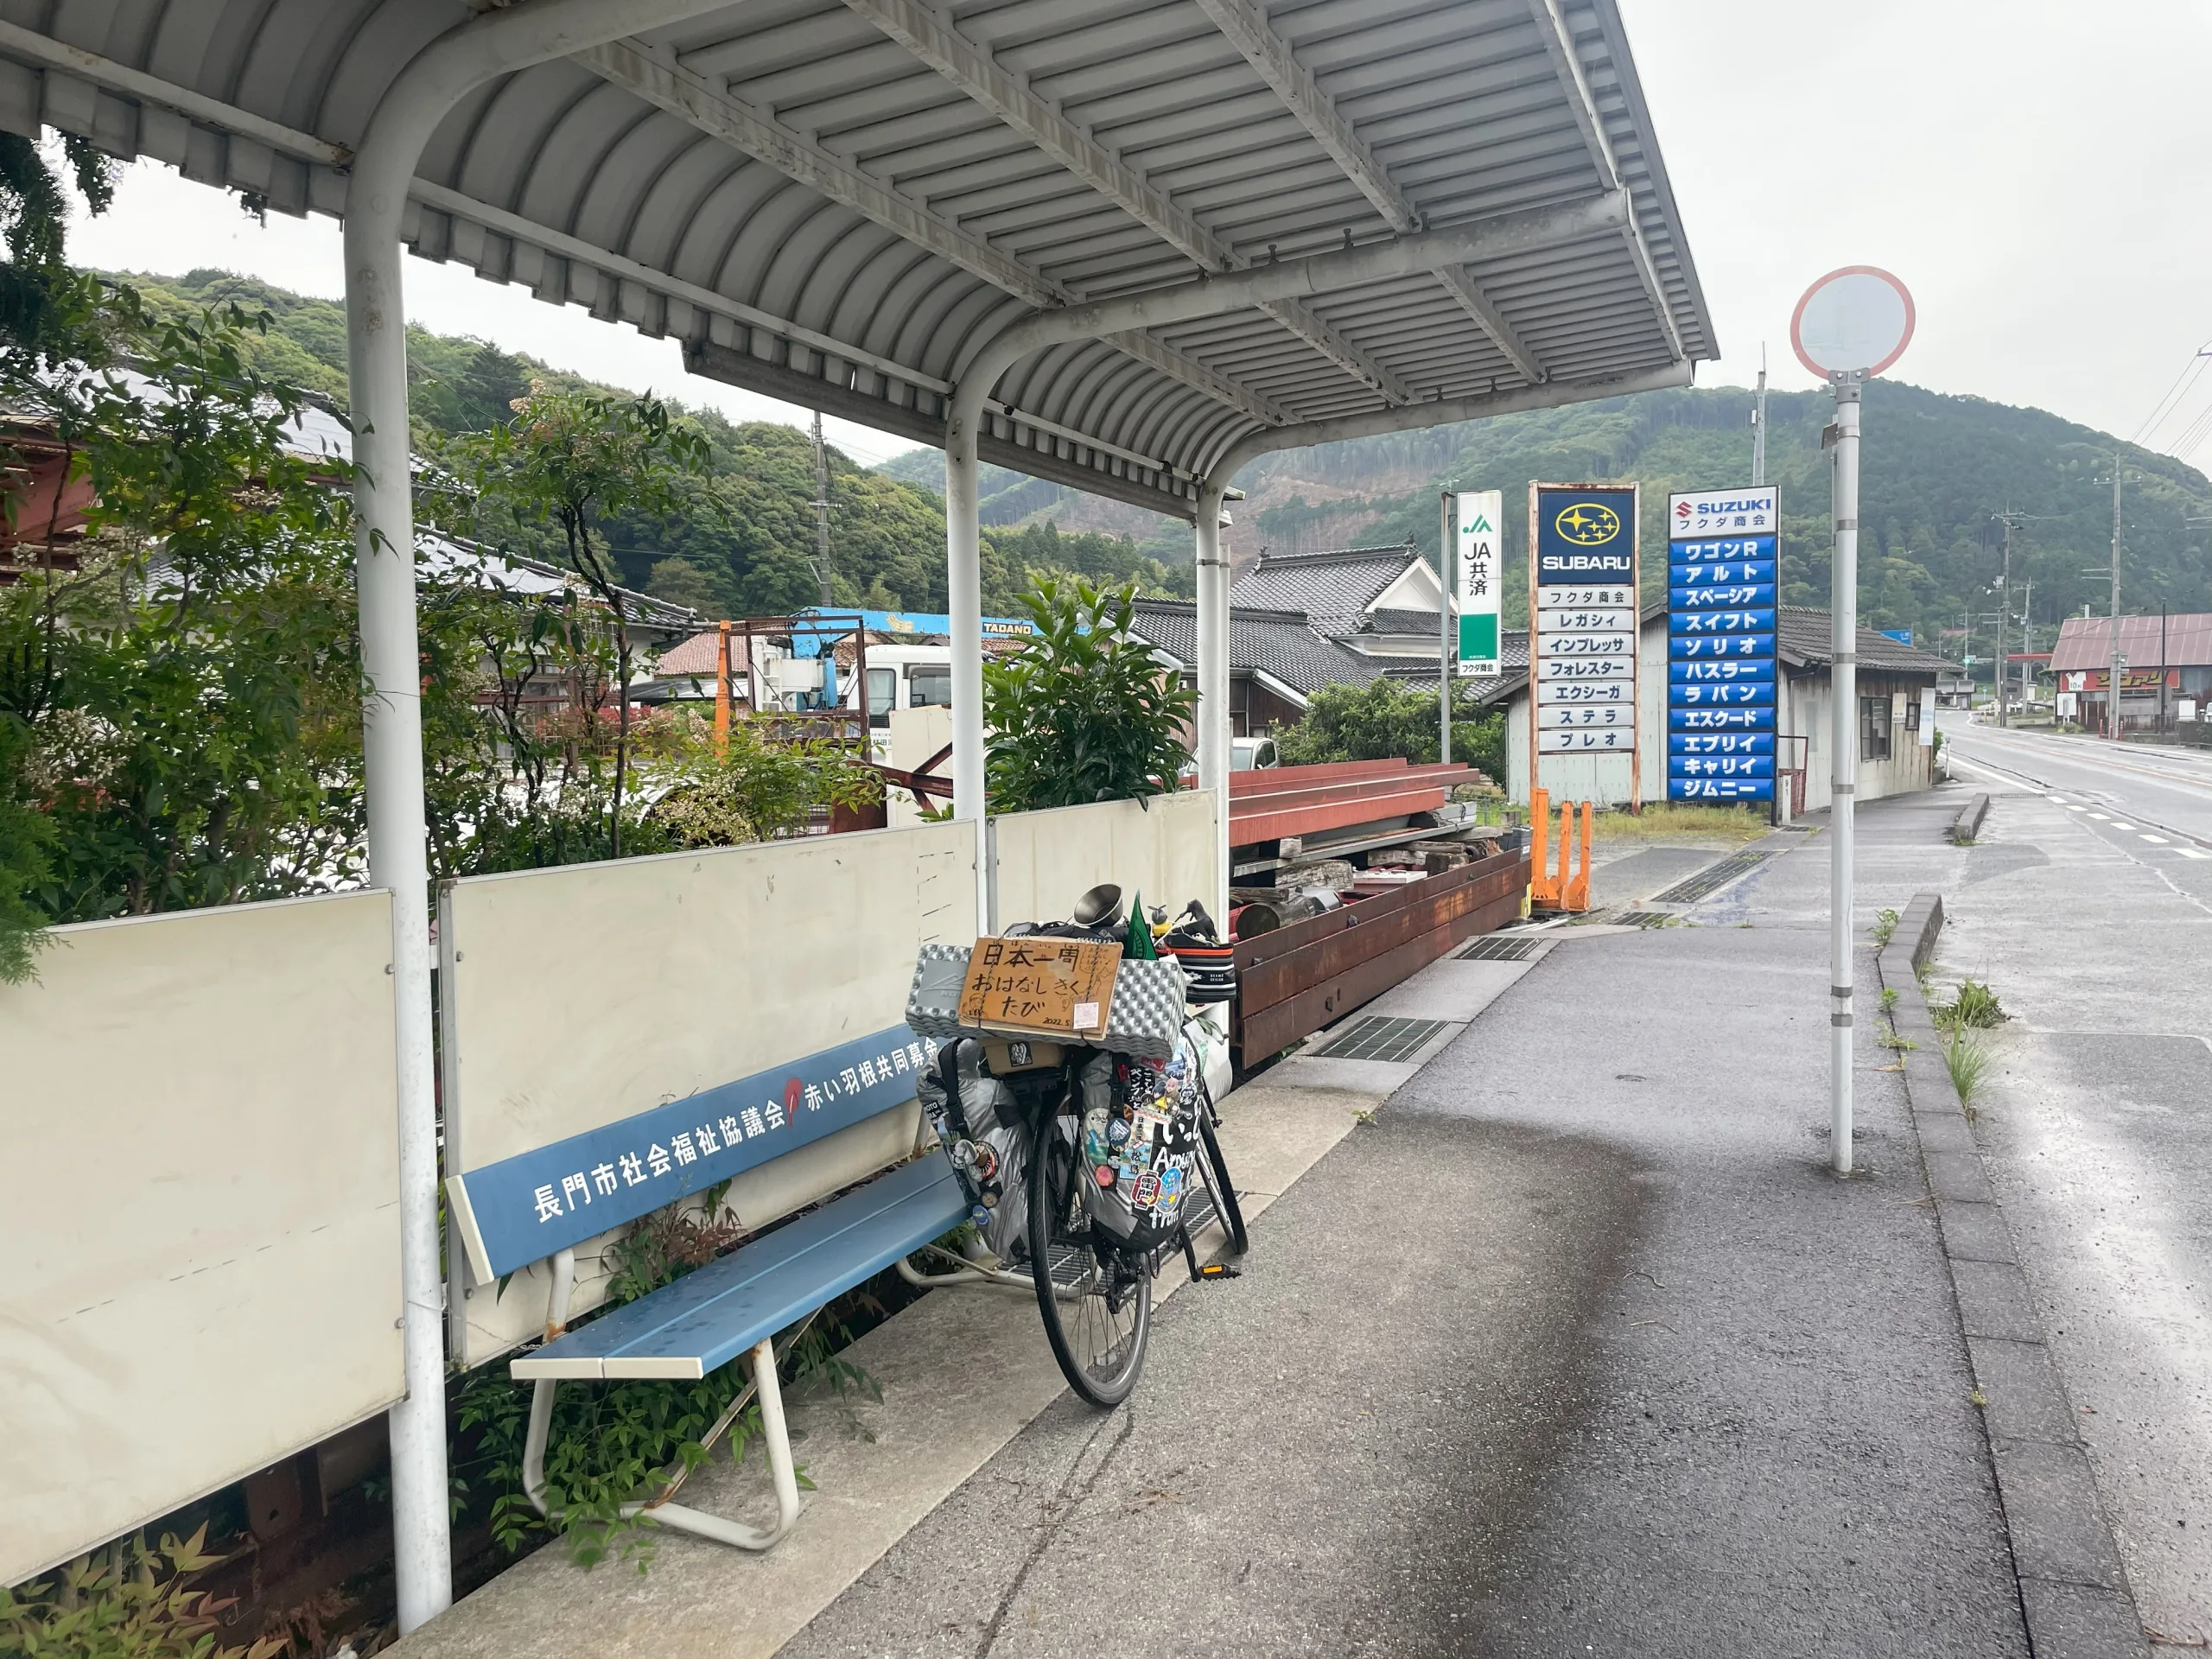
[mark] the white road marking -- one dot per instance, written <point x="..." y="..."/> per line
<point x="2061" y="799"/>
<point x="2071" y="807"/>
<point x="2192" y="851"/>
<point x="2101" y="818"/>
<point x="2117" y="824"/>
<point x="2156" y="840"/>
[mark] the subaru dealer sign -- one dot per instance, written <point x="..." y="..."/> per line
<point x="1722" y="583"/>
<point x="1582" y="607"/>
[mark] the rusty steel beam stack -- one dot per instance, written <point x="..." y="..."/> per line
<point x="1284" y="801"/>
<point x="1298" y="979"/>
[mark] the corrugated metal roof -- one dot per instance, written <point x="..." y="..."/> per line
<point x="1802" y="640"/>
<point x="1276" y="642"/>
<point x="838" y="201"/>
<point x="2085" y="642"/>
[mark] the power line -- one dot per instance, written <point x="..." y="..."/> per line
<point x="2174" y="393"/>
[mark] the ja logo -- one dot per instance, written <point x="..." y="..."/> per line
<point x="1480" y="527"/>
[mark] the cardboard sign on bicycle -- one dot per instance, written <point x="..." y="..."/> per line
<point x="1053" y="987"/>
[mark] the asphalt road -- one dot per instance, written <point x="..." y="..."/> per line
<point x="2151" y="790"/>
<point x="1576" y="1349"/>
<point x="2087" y="904"/>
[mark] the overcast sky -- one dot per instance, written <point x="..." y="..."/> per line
<point x="2034" y="171"/>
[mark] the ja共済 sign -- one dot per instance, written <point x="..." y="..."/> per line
<point x="1582" y="608"/>
<point x="1477" y="516"/>
<point x="1722" y="588"/>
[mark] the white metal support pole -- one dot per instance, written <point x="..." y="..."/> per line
<point x="436" y="80"/>
<point x="963" y="546"/>
<point x="1844" y="734"/>
<point x="1213" y="719"/>
<point x="391" y="738"/>
<point x="1444" y="633"/>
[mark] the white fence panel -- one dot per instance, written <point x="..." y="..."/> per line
<point x="575" y="998"/>
<point x="1166" y="848"/>
<point x="201" y="1226"/>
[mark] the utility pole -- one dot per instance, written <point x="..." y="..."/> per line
<point x="2112" y="686"/>
<point x="2004" y="616"/>
<point x="1758" y="430"/>
<point x="2027" y="637"/>
<point x="821" y="512"/>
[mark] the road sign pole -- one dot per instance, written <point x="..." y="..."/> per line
<point x="1843" y="602"/>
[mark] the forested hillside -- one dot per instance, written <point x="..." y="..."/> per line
<point x="1936" y="469"/>
<point x="747" y="548"/>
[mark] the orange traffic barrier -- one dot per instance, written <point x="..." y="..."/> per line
<point x="1575" y="894"/>
<point x="1542" y="894"/>
<point x="1560" y="887"/>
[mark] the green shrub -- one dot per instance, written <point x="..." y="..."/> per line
<point x="1384" y="720"/>
<point x="123" y="1602"/>
<point x="1086" y="711"/>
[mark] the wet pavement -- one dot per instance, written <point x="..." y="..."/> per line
<point x="1577" y="1347"/>
<point x="2096" y="1116"/>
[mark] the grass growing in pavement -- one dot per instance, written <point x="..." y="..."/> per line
<point x="1975" y="1007"/>
<point x="1965" y="1058"/>
<point x="1671" y="819"/>
<point x="1886" y="921"/>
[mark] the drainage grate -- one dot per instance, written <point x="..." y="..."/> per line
<point x="1377" y="1039"/>
<point x="1496" y="949"/>
<point x="1708" y="881"/>
<point x="1642" y="918"/>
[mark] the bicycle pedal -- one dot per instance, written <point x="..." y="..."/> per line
<point x="1220" y="1270"/>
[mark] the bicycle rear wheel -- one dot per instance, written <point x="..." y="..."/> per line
<point x="1097" y="1304"/>
<point x="1215" y="1175"/>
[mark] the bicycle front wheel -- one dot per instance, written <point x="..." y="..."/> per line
<point x="1097" y="1304"/>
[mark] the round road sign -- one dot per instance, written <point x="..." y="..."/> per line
<point x="1858" y="319"/>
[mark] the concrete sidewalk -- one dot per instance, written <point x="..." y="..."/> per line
<point x="1575" y="1347"/>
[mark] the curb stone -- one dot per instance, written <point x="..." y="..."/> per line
<point x="1967" y="824"/>
<point x="2074" y="1589"/>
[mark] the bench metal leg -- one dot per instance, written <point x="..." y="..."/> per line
<point x="781" y="1470"/>
<point x="773" y="1431"/>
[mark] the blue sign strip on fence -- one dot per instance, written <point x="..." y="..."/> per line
<point x="1723" y="558"/>
<point x="526" y="1207"/>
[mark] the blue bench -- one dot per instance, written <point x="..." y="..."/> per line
<point x="526" y="1209"/>
<point x="735" y="1305"/>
